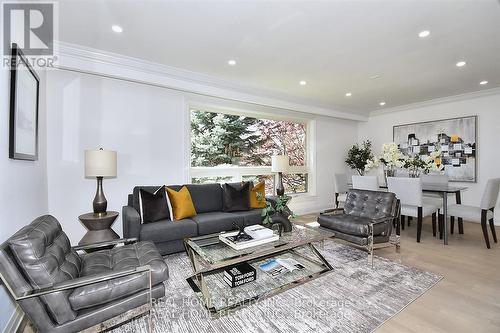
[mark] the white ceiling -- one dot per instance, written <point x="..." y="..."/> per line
<point x="336" y="46"/>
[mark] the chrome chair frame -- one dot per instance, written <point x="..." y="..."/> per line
<point x="79" y="282"/>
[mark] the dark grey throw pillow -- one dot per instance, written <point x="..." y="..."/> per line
<point x="236" y="197"/>
<point x="153" y="206"/>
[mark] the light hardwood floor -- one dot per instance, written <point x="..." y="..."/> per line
<point x="467" y="299"/>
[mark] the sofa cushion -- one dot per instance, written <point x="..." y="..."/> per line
<point x="209" y="223"/>
<point x="206" y="197"/>
<point x="166" y="230"/>
<point x="181" y="204"/>
<point x="153" y="206"/>
<point x="363" y="241"/>
<point x="251" y="217"/>
<point x="118" y="258"/>
<point x="43" y="251"/>
<point x="150" y="189"/>
<point x="236" y="198"/>
<point x="351" y="224"/>
<point x="258" y="192"/>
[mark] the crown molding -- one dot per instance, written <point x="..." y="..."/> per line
<point x="437" y="101"/>
<point x="92" y="61"/>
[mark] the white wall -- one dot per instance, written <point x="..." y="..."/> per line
<point x="379" y="130"/>
<point x="144" y="124"/>
<point x="23" y="183"/>
<point x="148" y="127"/>
<point x="333" y="138"/>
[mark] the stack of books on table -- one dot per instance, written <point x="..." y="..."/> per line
<point x="254" y="235"/>
<point x="239" y="274"/>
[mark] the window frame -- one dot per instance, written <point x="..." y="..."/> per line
<point x="237" y="172"/>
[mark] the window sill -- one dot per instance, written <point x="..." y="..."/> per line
<point x="305" y="196"/>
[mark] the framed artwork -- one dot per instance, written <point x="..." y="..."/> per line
<point x="24" y="95"/>
<point x="455" y="139"/>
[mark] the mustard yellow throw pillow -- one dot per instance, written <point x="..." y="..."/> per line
<point x="254" y="200"/>
<point x="181" y="203"/>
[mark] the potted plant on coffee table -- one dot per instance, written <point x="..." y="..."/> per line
<point x="278" y="212"/>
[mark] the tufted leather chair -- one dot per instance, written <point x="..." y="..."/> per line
<point x="367" y="218"/>
<point x="61" y="290"/>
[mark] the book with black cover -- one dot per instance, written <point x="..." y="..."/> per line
<point x="240" y="274"/>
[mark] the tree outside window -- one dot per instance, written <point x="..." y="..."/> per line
<point x="228" y="142"/>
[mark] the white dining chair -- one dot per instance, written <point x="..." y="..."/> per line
<point x="369" y="183"/>
<point x="434" y="179"/>
<point x="483" y="213"/>
<point x="436" y="198"/>
<point x="341" y="188"/>
<point x="409" y="193"/>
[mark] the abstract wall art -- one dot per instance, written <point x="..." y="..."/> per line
<point x="455" y="138"/>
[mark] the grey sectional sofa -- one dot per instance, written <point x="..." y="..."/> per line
<point x="168" y="235"/>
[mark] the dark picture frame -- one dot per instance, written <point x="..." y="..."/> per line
<point x="467" y="154"/>
<point x="24" y="104"/>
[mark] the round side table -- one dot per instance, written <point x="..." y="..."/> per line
<point x="99" y="227"/>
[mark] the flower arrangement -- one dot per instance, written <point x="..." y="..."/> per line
<point x="391" y="157"/>
<point x="421" y="164"/>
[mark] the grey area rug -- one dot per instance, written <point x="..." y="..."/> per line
<point x="352" y="298"/>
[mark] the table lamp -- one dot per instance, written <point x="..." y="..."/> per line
<point x="279" y="164"/>
<point x="100" y="163"/>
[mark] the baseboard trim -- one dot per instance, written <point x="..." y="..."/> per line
<point x="14" y="321"/>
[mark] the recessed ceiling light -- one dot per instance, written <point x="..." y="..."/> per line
<point x="423" y="34"/>
<point x="302" y="83"/>
<point x="461" y="63"/>
<point x="117" y="28"/>
<point x="381" y="103"/>
<point x="231" y="62"/>
<point x="483" y="82"/>
<point x="348" y="94"/>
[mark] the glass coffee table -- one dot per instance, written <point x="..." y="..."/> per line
<point x="209" y="257"/>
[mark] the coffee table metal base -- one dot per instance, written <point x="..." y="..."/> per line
<point x="220" y="299"/>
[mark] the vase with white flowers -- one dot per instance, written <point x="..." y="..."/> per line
<point x="419" y="164"/>
<point x="391" y="158"/>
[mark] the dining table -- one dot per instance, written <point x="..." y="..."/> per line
<point x="444" y="190"/>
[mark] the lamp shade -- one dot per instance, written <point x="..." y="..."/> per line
<point x="279" y="163"/>
<point x="100" y="163"/>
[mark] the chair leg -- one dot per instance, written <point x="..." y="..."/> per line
<point x="398" y="225"/>
<point x="485" y="229"/>
<point x="452" y="224"/>
<point x="460" y="220"/>
<point x="434" y="224"/>
<point x="403" y="222"/>
<point x="370" y="245"/>
<point x="419" y="224"/>
<point x="492" y="227"/>
<point x="409" y="220"/>
<point x="441" y="225"/>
